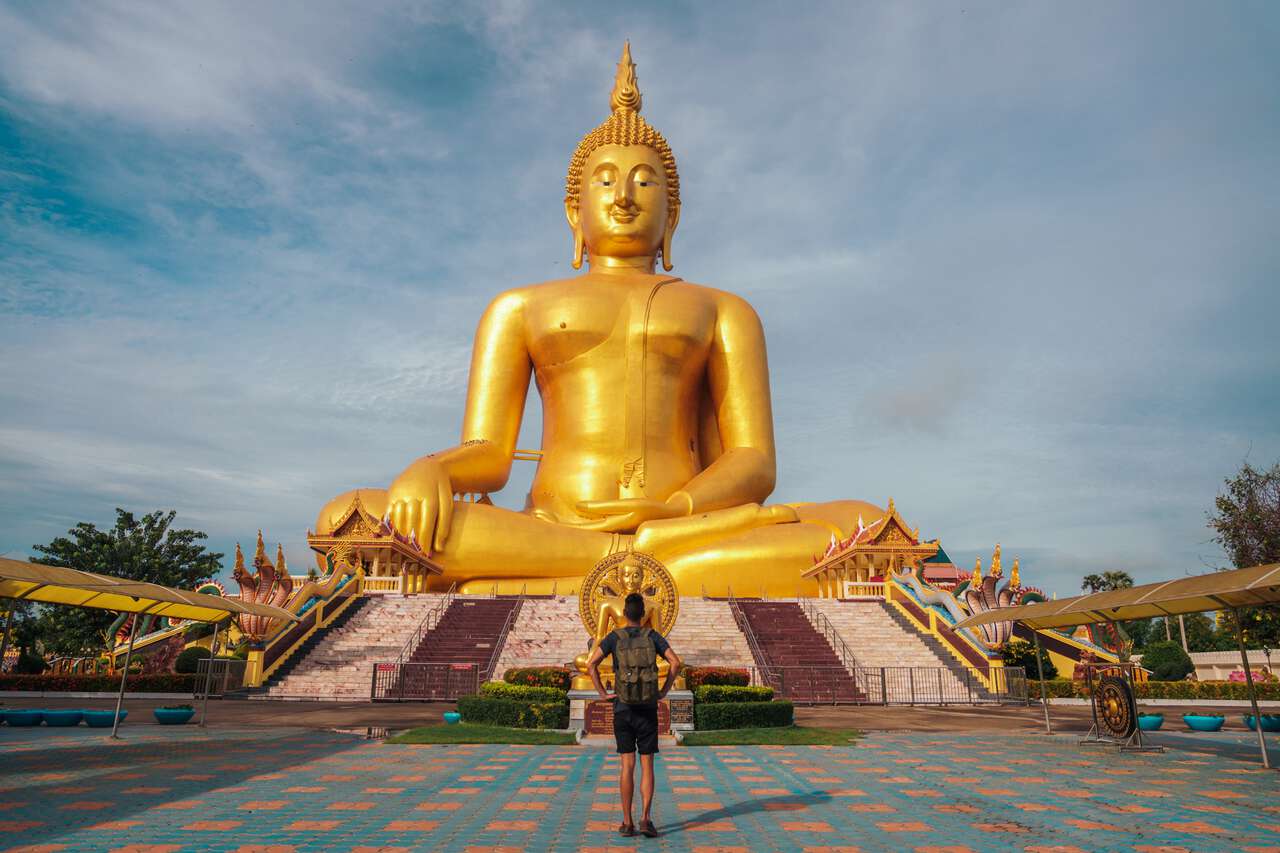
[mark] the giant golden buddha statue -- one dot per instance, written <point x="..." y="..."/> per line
<point x="657" y="432"/>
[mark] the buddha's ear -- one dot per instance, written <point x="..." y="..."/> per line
<point x="572" y="214"/>
<point x="673" y="219"/>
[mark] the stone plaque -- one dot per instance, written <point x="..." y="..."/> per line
<point x="599" y="719"/>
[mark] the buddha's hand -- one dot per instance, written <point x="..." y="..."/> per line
<point x="626" y="514"/>
<point x="420" y="502"/>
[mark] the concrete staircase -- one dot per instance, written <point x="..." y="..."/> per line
<point x="706" y="635"/>
<point x="547" y="632"/>
<point x="880" y="637"/>
<point x="338" y="665"/>
<point x="804" y="666"/>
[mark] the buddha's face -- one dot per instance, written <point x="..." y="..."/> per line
<point x="632" y="576"/>
<point x="623" y="210"/>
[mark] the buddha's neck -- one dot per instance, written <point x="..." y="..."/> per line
<point x="606" y="265"/>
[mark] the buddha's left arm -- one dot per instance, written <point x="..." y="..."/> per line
<point x="738" y="377"/>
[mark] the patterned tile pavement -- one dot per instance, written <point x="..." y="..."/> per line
<point x="280" y="790"/>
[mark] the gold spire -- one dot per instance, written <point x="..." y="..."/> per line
<point x="996" y="571"/>
<point x="260" y="555"/>
<point x="625" y="96"/>
<point x="239" y="559"/>
<point x="890" y="510"/>
<point x="280" y="558"/>
<point x="1015" y="580"/>
<point x="977" y="572"/>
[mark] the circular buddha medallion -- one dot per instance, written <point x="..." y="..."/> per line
<point x="605" y="581"/>
<point x="1116" y="709"/>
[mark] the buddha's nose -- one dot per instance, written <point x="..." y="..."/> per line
<point x="622" y="194"/>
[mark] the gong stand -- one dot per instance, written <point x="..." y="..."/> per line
<point x="1110" y="689"/>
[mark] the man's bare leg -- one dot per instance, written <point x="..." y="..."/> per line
<point x="627" y="784"/>
<point x="646" y="783"/>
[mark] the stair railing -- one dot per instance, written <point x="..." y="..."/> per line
<point x="848" y="659"/>
<point x="767" y="675"/>
<point x="428" y="624"/>
<point x="502" y="636"/>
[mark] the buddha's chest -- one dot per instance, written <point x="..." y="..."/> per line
<point x="603" y="328"/>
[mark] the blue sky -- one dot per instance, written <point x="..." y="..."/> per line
<point x="1017" y="265"/>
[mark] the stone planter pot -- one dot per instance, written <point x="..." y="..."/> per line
<point x="1270" y="722"/>
<point x="63" y="718"/>
<point x="24" y="717"/>
<point x="1204" y="722"/>
<point x="1150" y="722"/>
<point x="173" y="716"/>
<point x="102" y="719"/>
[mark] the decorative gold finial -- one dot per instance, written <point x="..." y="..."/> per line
<point x="891" y="510"/>
<point x="625" y="96"/>
<point x="996" y="571"/>
<point x="280" y="558"/>
<point x="1015" y="580"/>
<point x="239" y="559"/>
<point x="977" y="572"/>
<point x="260" y="555"/>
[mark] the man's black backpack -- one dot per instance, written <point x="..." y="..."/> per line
<point x="636" y="679"/>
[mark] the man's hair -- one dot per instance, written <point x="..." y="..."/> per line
<point x="633" y="607"/>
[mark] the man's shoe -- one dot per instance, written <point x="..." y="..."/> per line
<point x="649" y="830"/>
<point x="627" y="830"/>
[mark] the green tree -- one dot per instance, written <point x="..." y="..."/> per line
<point x="142" y="549"/>
<point x="1167" y="661"/>
<point x="1246" y="523"/>
<point x="1018" y="652"/>
<point x="1106" y="581"/>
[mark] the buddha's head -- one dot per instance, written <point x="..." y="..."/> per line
<point x="622" y="194"/>
<point x="632" y="576"/>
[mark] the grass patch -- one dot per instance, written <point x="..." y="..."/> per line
<point x="474" y="733"/>
<point x="780" y="735"/>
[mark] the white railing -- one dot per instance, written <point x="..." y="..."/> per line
<point x="382" y="585"/>
<point x="863" y="589"/>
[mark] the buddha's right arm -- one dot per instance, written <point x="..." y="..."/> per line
<point x="420" y="499"/>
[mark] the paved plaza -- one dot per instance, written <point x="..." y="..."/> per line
<point x="282" y="789"/>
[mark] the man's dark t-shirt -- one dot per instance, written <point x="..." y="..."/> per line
<point x="609" y="645"/>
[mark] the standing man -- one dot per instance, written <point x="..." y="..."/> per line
<point x="635" y="651"/>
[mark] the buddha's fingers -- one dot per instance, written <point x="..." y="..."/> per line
<point x="445" y="521"/>
<point x="399" y="511"/>
<point x="428" y="512"/>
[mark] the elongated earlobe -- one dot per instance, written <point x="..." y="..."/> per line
<point x="577" y="248"/>
<point x="673" y="219"/>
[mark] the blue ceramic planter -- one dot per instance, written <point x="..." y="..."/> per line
<point x="102" y="719"/>
<point x="24" y="717"/>
<point x="452" y="717"/>
<point x="173" y="716"/>
<point x="63" y="718"/>
<point x="1204" y="722"/>
<point x="1270" y="722"/>
<point x="1150" y="722"/>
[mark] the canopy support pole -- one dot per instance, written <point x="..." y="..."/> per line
<point x="124" y="673"/>
<point x="1035" y="637"/>
<point x="208" y="673"/>
<point x="1253" y="693"/>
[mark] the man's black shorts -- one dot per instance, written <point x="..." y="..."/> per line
<point x="635" y="727"/>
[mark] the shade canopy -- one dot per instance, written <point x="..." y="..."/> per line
<point x="1215" y="591"/>
<point x="56" y="585"/>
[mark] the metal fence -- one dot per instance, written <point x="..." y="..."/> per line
<point x="227" y="676"/>
<point x="892" y="685"/>
<point x="418" y="682"/>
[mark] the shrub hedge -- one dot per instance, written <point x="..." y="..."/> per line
<point x="743" y="715"/>
<point x="697" y="676"/>
<point x="523" y="692"/>
<point x="161" y="683"/>
<point x="539" y="676"/>
<point x="1062" y="688"/>
<point x="731" y="693"/>
<point x="1167" y="661"/>
<point x="512" y="713"/>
